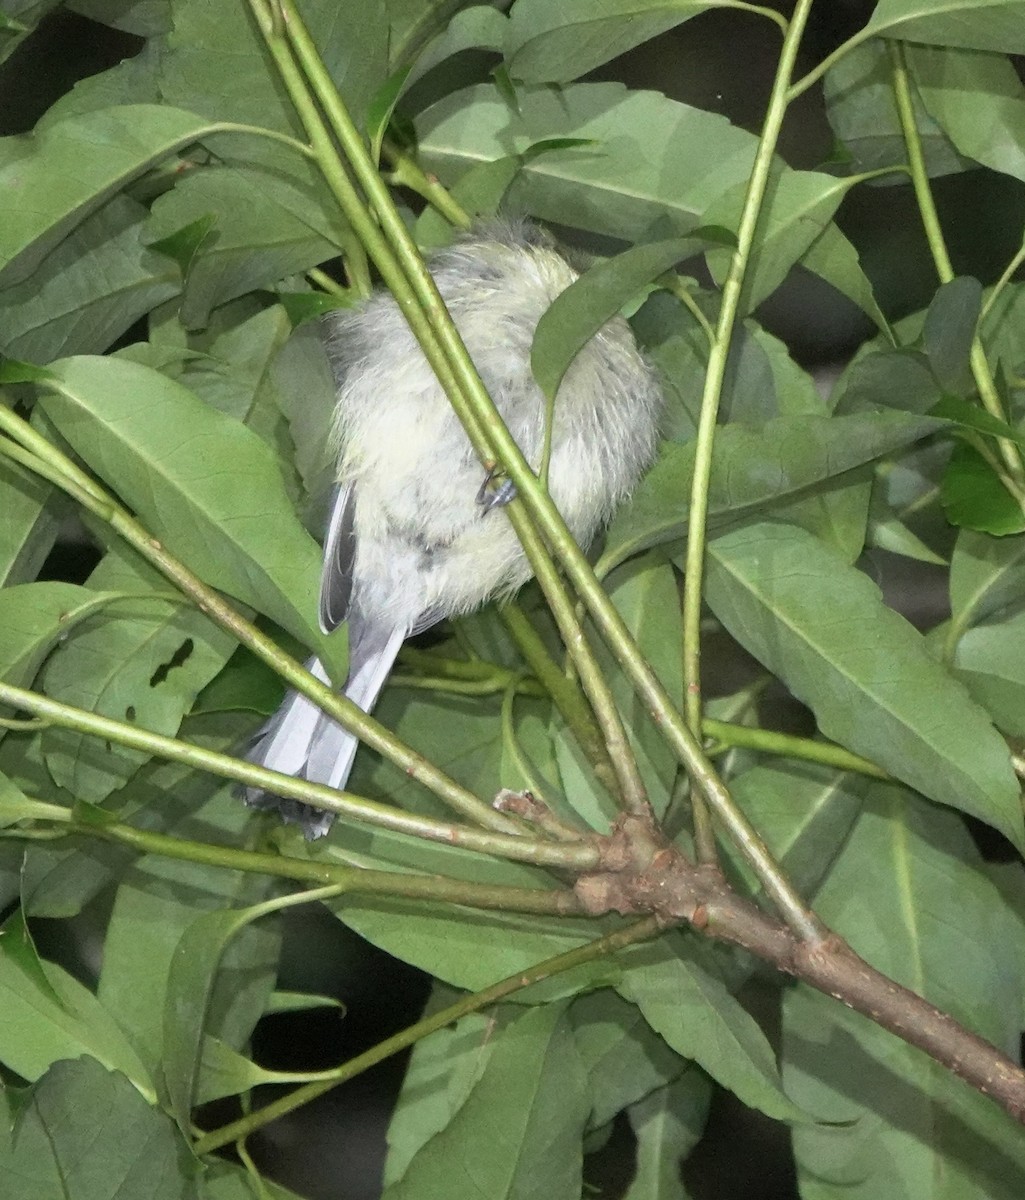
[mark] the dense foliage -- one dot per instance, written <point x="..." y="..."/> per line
<point x="171" y="229"/>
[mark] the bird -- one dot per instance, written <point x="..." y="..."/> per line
<point x="418" y="530"/>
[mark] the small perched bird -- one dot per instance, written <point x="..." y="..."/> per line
<point x="418" y="530"/>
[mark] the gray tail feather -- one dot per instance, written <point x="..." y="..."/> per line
<point x="302" y="741"/>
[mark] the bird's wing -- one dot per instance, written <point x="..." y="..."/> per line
<point x="339" y="559"/>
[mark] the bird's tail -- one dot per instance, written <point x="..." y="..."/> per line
<point x="302" y="741"/>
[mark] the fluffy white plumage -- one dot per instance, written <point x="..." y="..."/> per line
<point x="409" y="539"/>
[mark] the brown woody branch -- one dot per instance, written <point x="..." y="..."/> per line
<point x="664" y="882"/>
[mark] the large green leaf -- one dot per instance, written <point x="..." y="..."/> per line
<point x="910" y="892"/>
<point x="265" y="228"/>
<point x="89" y="290"/>
<point x="156" y="905"/>
<point x="34" y="617"/>
<point x="191" y="981"/>
<point x="216" y="62"/>
<point x="203" y="484"/>
<point x="679" y="989"/>
<point x="653" y="159"/>
<point x="528" y="1109"/>
<point x="979" y="102"/>
<point x="624" y="1057"/>
<point x="823" y="628"/>
<point x="589" y="302"/>
<point x="144" y="662"/>
<point x="84" y="1133"/>
<point x="554" y="43"/>
<point x="668" y="1124"/>
<point x="51" y="182"/>
<point x="49" y="1015"/>
<point x="754" y="468"/>
<point x="802" y="811"/>
<point x="799" y="206"/>
<point x="974" y="24"/>
<point x="863" y="114"/>
<point x="443" y="1069"/>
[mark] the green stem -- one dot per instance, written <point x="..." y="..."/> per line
<point x="580" y="857"/>
<point x="814" y="75"/>
<point x="323" y="280"/>
<point x="759" y="11"/>
<point x="403" y="269"/>
<point x="729" y="310"/>
<point x="786" y="745"/>
<point x="981" y="373"/>
<point x="638" y="931"/>
<point x="565" y="694"/>
<point x="406" y="172"/>
<point x="349" y="880"/>
<point x="1002" y="283"/>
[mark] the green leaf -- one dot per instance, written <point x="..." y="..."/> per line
<point x="224" y="1072"/>
<point x="950" y="326"/>
<point x="990" y="661"/>
<point x="548" y="43"/>
<point x="528" y="1107"/>
<point x="974" y="498"/>
<point x="443" y="1070"/>
<point x="478" y="27"/>
<point x="144" y="662"/>
<point x="833" y="258"/>
<point x="215" y="61"/>
<point x="866" y="674"/>
<point x="15" y="806"/>
<point x="29" y="527"/>
<point x="203" y="485"/>
<point x="237" y="376"/>
<point x="144" y="18"/>
<point x="264" y="229"/>
<point x="289" y="1002"/>
<point x="89" y="290"/>
<point x="194" y="974"/>
<point x="678" y="987"/>
<point x="84" y="1133"/>
<point x="863" y="114"/>
<point x="971" y="416"/>
<point x="668" y="1124"/>
<point x="472" y="951"/>
<point x="34" y="617"/>
<point x="18" y="20"/>
<point x="624" y="1057"/>
<point x="165" y="1003"/>
<point x="226" y="1181"/>
<point x="979" y="102"/>
<point x="589" y="302"/>
<point x="51" y="182"/>
<point x="49" y="1015"/>
<point x="623" y="185"/>
<point x="246" y="684"/>
<point x="753" y="468"/>
<point x="479" y="191"/>
<point x="910" y="890"/>
<point x="799" y="205"/>
<point x="802" y="811"/>
<point x="986" y="575"/>
<point x="974" y="24"/>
